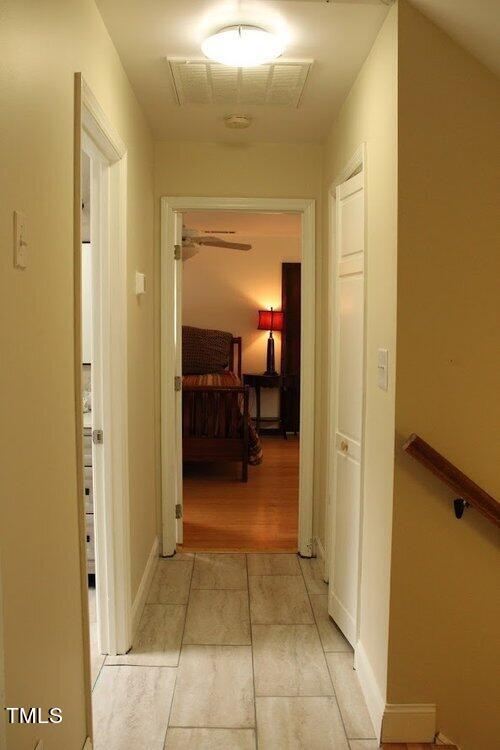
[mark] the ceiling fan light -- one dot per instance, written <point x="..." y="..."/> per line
<point x="237" y="122"/>
<point x="242" y="46"/>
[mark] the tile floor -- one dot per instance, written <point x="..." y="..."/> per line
<point x="233" y="652"/>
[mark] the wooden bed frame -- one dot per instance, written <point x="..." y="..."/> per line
<point x="210" y="448"/>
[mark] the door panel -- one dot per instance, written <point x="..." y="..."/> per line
<point x="352" y="230"/>
<point x="345" y="589"/>
<point x="345" y="513"/>
<point x="350" y="362"/>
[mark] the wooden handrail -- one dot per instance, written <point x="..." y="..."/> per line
<point x="469" y="493"/>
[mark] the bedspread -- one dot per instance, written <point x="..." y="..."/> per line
<point x="220" y="415"/>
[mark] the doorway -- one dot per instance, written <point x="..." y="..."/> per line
<point x="92" y="163"/>
<point x="100" y="376"/>
<point x="177" y="216"/>
<point x="240" y="297"/>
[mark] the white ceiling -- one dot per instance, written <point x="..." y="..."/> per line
<point x="474" y="24"/>
<point x="337" y="36"/>
<point x="243" y="224"/>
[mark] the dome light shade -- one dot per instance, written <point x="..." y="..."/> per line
<point x="242" y="46"/>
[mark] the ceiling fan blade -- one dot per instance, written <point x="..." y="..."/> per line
<point x="188" y="232"/>
<point x="214" y="242"/>
<point x="219" y="231"/>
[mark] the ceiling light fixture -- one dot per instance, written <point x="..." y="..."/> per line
<point x="242" y="46"/>
<point x="237" y="122"/>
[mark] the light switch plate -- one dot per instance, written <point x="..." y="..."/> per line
<point x="140" y="283"/>
<point x="383" y="369"/>
<point x="20" y="240"/>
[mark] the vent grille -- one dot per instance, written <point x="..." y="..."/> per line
<point x="205" y="82"/>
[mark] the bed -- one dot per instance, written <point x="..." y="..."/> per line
<point x="216" y="422"/>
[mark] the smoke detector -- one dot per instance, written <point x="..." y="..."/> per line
<point x="237" y="122"/>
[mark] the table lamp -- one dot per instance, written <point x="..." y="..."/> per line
<point x="270" y="320"/>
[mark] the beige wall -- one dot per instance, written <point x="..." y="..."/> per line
<point x="445" y="607"/>
<point x="274" y="170"/>
<point x="369" y="115"/>
<point x="43" y="44"/>
<point x="223" y="289"/>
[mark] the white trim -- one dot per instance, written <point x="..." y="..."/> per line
<point x="442" y="739"/>
<point x="88" y="744"/>
<point x="169" y="439"/>
<point x="306" y="207"/>
<point x="409" y="722"/>
<point x="113" y="525"/>
<point x="3" y="702"/>
<point x="371" y="691"/>
<point x="99" y="128"/>
<point x="319" y="552"/>
<point x="355" y="165"/>
<point x="142" y="591"/>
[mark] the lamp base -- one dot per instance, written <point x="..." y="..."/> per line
<point x="270" y="369"/>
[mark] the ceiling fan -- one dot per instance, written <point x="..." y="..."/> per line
<point x="191" y="240"/>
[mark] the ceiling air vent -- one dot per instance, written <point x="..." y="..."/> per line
<point x="204" y="82"/>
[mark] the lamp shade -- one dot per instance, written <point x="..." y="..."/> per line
<point x="270" y="320"/>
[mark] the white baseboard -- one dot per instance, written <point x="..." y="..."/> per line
<point x="319" y="552"/>
<point x="88" y="744"/>
<point x="374" y="699"/>
<point x="393" y="722"/>
<point x="409" y="722"/>
<point x="142" y="591"/>
<point x="441" y="739"/>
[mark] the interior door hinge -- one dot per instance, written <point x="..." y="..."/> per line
<point x="178" y="511"/>
<point x="177" y="383"/>
<point x="97" y="437"/>
<point x="177" y="252"/>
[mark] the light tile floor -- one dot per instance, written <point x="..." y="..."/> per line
<point x="233" y="652"/>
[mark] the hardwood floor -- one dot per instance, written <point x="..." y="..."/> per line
<point x="222" y="513"/>
<point x="416" y="746"/>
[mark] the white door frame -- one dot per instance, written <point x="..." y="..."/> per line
<point x="3" y="701"/>
<point x="171" y="440"/>
<point x="112" y="515"/>
<point x="357" y="163"/>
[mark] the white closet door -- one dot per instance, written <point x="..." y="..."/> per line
<point x="348" y="409"/>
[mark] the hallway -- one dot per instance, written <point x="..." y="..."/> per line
<point x="233" y="652"/>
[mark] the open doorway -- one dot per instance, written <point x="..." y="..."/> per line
<point x="91" y="401"/>
<point x="232" y="280"/>
<point x="100" y="372"/>
<point x="241" y="304"/>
